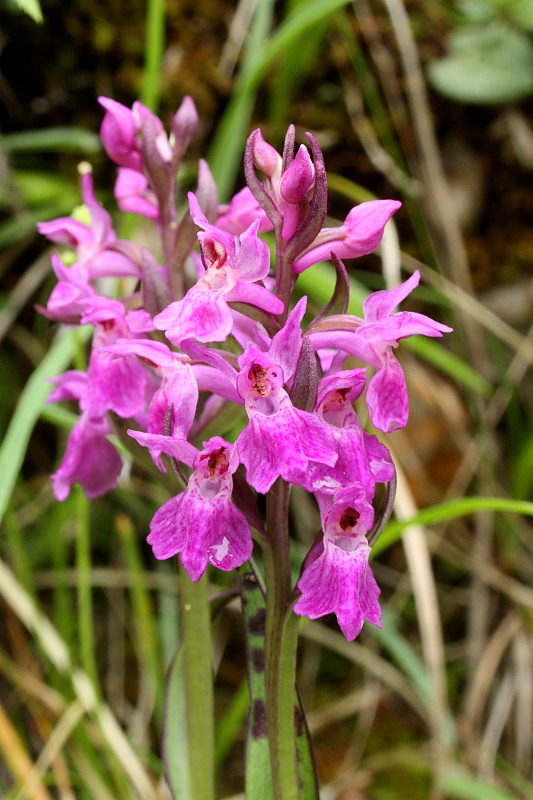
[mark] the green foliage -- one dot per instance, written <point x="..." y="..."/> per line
<point x="486" y="64"/>
<point x="490" y="53"/>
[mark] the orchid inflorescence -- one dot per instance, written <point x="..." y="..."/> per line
<point x="204" y="332"/>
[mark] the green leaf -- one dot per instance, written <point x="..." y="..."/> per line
<point x="465" y="787"/>
<point x="32" y="8"/>
<point x="519" y="11"/>
<point x="487" y="64"/>
<point x="28" y="409"/>
<point x="258" y="772"/>
<point x="56" y="140"/>
<point x="175" y="739"/>
<point x="444" y="512"/>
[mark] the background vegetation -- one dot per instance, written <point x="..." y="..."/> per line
<point x="423" y="101"/>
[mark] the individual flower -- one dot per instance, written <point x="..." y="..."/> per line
<point x="114" y="384"/>
<point x="202" y="523"/>
<point x="122" y="133"/>
<point x="133" y="193"/>
<point x="362" y="459"/>
<point x="337" y="578"/>
<point x="360" y="234"/>
<point x="232" y="268"/>
<point x="97" y="246"/>
<point x="373" y="341"/>
<point x="90" y="459"/>
<point x="242" y="211"/>
<point x="280" y="439"/>
<point x="71" y="294"/>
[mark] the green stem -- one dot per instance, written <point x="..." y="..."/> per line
<point x="281" y="642"/>
<point x="196" y="625"/>
<point x="153" y="53"/>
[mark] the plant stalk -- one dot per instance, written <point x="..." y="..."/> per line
<point x="196" y="628"/>
<point x="280" y="647"/>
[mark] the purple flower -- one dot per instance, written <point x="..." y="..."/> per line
<point x="122" y="129"/>
<point x="242" y="211"/>
<point x="361" y="233"/>
<point x="362" y="459"/>
<point x="232" y="267"/>
<point x="70" y="295"/>
<point x="97" y="246"/>
<point x="114" y="384"/>
<point x="133" y="193"/>
<point x="202" y="523"/>
<point x="90" y="460"/>
<point x="373" y="340"/>
<point x="279" y="440"/>
<point x="338" y="578"/>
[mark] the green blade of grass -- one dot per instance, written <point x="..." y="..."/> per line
<point x="466" y="787"/>
<point x="30" y="404"/>
<point x="453" y="509"/>
<point x="55" y="140"/>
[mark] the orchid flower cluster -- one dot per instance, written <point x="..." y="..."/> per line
<point x="215" y="332"/>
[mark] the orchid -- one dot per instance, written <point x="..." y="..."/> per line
<point x="339" y="579"/>
<point x="373" y="340"/>
<point x="212" y="332"/>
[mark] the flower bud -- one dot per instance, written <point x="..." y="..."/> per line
<point x="266" y="158"/>
<point x="298" y="178"/>
<point x="119" y="132"/>
<point x="185" y="125"/>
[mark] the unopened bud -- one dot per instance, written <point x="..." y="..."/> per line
<point x="266" y="158"/>
<point x="298" y="178"/>
<point x="185" y="124"/>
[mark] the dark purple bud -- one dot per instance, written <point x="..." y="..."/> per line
<point x="254" y="184"/>
<point x="207" y="192"/>
<point x="305" y="387"/>
<point x="288" y="147"/>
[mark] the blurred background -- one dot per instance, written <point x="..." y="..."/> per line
<point x="427" y="102"/>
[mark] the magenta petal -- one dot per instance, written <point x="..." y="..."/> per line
<point x="242" y="211"/>
<point x="203" y="530"/>
<point x="167" y="534"/>
<point x="115" y="384"/>
<point x="90" y="459"/>
<point x="283" y="444"/>
<point x="287" y="343"/>
<point x="253" y="258"/>
<point x="256" y="295"/>
<point x="383" y="303"/>
<point x="158" y="443"/>
<point x="201" y="315"/>
<point x="379" y="459"/>
<point x="65" y="230"/>
<point x="342" y="583"/>
<point x="387" y="397"/>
